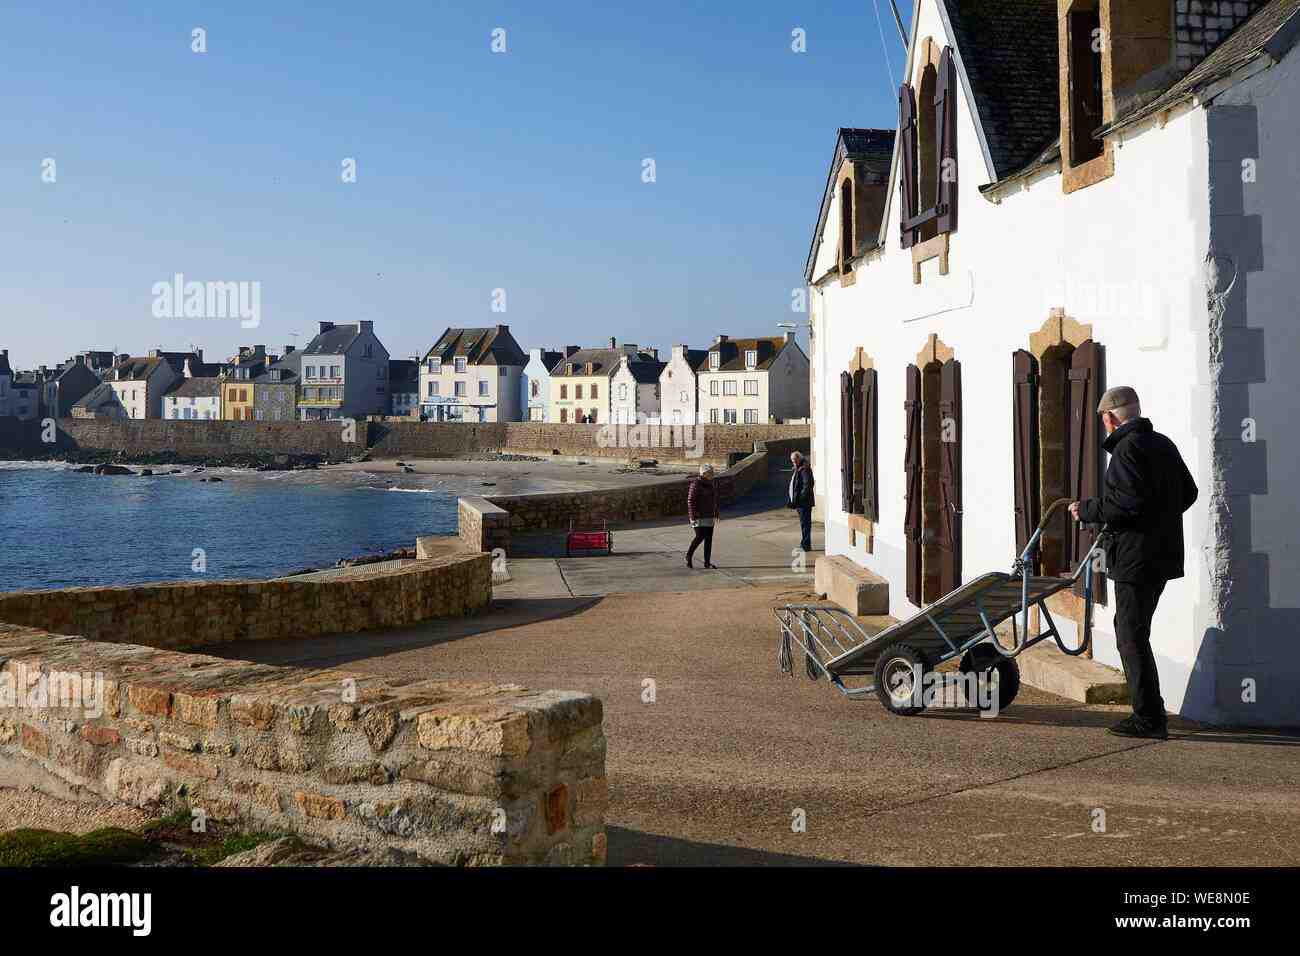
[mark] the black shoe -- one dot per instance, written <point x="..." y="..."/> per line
<point x="1137" y="727"/>
<point x="689" y="564"/>
<point x="711" y="567"/>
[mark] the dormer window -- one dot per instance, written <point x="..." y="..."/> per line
<point x="751" y="359"/>
<point x="715" y="360"/>
<point x="846" y="224"/>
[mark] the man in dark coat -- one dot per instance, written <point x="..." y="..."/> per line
<point x="1144" y="494"/>
<point x="801" y="498"/>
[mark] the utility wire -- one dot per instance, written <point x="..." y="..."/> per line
<point x="889" y="65"/>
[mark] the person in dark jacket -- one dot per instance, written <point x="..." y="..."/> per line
<point x="702" y="510"/>
<point x="1144" y="494"/>
<point x="801" y="497"/>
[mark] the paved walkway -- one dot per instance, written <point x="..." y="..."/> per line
<point x="713" y="753"/>
<point x="755" y="544"/>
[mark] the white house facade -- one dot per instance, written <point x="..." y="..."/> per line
<point x="473" y="375"/>
<point x="634" y="390"/>
<point x="981" y="273"/>
<point x="753" y="381"/>
<point x="535" y="382"/>
<point x="679" y="401"/>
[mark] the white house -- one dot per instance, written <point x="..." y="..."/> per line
<point x="193" y="398"/>
<point x="634" y="390"/>
<point x="1127" y="212"/>
<point x="139" y="383"/>
<point x="472" y="375"/>
<point x="535" y="382"/>
<point x="753" y="381"/>
<point x="678" y="388"/>
<point x="344" y="373"/>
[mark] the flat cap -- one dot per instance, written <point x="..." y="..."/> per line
<point x="1117" y="397"/>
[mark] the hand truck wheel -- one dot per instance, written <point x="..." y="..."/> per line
<point x="984" y="660"/>
<point x="900" y="673"/>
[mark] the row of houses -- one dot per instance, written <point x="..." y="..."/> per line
<point x="468" y="375"/>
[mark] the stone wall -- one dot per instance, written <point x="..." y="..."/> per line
<point x="208" y="438"/>
<point x="482" y="526"/>
<point x="643" y="502"/>
<point x="457" y="773"/>
<point x="194" y="614"/>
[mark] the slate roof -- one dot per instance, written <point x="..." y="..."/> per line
<point x="874" y="149"/>
<point x="549" y="358"/>
<point x="1009" y="51"/>
<point x="134" y="369"/>
<point x="196" y="387"/>
<point x="336" y="341"/>
<point x="605" y="361"/>
<point x="4" y="365"/>
<point x="646" y="372"/>
<point x="404" y="372"/>
<point x="1273" y="30"/>
<point x="479" y="346"/>
<point x="732" y="353"/>
<point x="289" y="367"/>
<point x="101" y="394"/>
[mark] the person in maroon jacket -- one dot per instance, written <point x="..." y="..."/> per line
<point x="702" y="510"/>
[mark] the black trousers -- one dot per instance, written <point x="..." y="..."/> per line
<point x="705" y="536"/>
<point x="805" y="528"/>
<point x="1135" y="603"/>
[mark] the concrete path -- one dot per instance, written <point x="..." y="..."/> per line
<point x="755" y="544"/>
<point x="713" y="753"/>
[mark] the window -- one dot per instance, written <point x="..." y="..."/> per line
<point x="311" y="371"/>
<point x="503" y="371"/>
<point x="593" y="390"/>
<point x="1085" y="86"/>
<point x="729" y="387"/>
<point x="713" y="415"/>
<point x="534" y="388"/>
<point x="846" y="230"/>
<point x="369" y="351"/>
<point x="381" y="373"/>
<point x="927" y="123"/>
<point x="380" y="390"/>
<point x="460" y="389"/>
<point x="435" y="365"/>
<point x="433" y="389"/>
<point x="577" y="391"/>
<point x="564" y="391"/>
<point x="622" y="393"/>
<point x="592" y="417"/>
<point x="715" y="360"/>
<point x="751" y="416"/>
<point x="460" y="364"/>
<point x="728" y="416"/>
<point x="483" y="389"/>
<point x="751" y="386"/>
<point x="564" y="415"/>
<point x="684" y="397"/>
<point x="713" y="387"/>
<point x="751" y="359"/>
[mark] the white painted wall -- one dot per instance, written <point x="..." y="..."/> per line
<point x="1141" y="235"/>
<point x="678" y="395"/>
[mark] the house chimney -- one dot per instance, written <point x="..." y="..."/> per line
<point x="612" y="342"/>
<point x="189" y="371"/>
<point x="570" y="349"/>
<point x="655" y="353"/>
<point x="679" y="351"/>
<point x="290" y="349"/>
<point x="719" y="339"/>
<point x="789" y="335"/>
<point x="366" y="325"/>
<point x="327" y="326"/>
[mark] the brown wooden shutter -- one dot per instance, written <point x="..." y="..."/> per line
<point x="949" y="539"/>
<point x="907" y="157"/>
<point x="846" y="442"/>
<point x="1086" y="384"/>
<point x="945" y="106"/>
<point x="859" y="422"/>
<point x="1024" y="413"/>
<point x="912" y="524"/>
<point x="870" y="441"/>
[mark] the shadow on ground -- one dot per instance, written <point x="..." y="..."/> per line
<point x="634" y="847"/>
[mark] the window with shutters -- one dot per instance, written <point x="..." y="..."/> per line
<point x="927" y="126"/>
<point x="859" y="441"/>
<point x="933" y="467"/>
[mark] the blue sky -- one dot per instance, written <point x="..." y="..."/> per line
<point x="475" y="171"/>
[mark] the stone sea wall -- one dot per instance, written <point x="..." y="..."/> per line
<point x="456" y="773"/>
<point x="179" y="615"/>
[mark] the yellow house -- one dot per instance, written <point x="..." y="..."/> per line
<point x="237" y="389"/>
